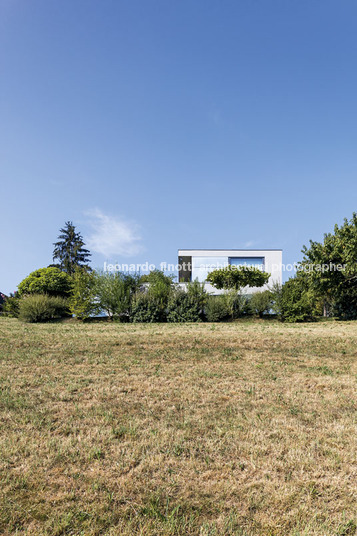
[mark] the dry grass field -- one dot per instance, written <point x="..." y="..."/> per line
<point x="245" y="428"/>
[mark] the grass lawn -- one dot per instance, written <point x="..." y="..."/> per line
<point x="245" y="428"/>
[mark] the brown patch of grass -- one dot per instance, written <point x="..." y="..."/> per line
<point x="244" y="428"/>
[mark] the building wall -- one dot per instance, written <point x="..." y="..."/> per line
<point x="204" y="261"/>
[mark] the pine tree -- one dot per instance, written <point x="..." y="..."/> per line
<point x="69" y="250"/>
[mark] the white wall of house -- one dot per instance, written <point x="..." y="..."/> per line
<point x="206" y="260"/>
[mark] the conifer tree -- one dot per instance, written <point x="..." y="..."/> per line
<point x="69" y="251"/>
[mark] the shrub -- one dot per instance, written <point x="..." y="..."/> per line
<point x="216" y="309"/>
<point x="144" y="309"/>
<point x="83" y="302"/>
<point x="277" y="297"/>
<point x="151" y="304"/>
<point x="298" y="302"/>
<point x="197" y="292"/>
<point x="183" y="307"/>
<point x="115" y="292"/>
<point x="261" y="302"/>
<point x="2" y="300"/>
<point x="159" y="289"/>
<point x="50" y="281"/>
<point x="11" y="306"/>
<point x="237" y="304"/>
<point x="41" y="308"/>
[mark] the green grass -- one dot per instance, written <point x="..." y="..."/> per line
<point x="245" y="428"/>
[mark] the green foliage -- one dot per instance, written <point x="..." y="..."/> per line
<point x="277" y="295"/>
<point x="83" y="302"/>
<point x="261" y="302"/>
<point x="11" y="306"/>
<point x="335" y="286"/>
<point x="51" y="281"/>
<point x="115" y="292"/>
<point x="216" y="309"/>
<point x="159" y="288"/>
<point x="298" y="302"/>
<point x="157" y="276"/>
<point x="237" y="277"/>
<point x="144" y="309"/>
<point x="197" y="292"/>
<point x="41" y="308"/>
<point x="236" y="303"/>
<point x="2" y="300"/>
<point x="345" y="303"/>
<point x="184" y="307"/>
<point x="69" y="250"/>
<point x="151" y="304"/>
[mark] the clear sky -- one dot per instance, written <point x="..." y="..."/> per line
<point x="162" y="124"/>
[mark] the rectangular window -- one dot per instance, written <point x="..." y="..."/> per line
<point x="185" y="269"/>
<point x="255" y="262"/>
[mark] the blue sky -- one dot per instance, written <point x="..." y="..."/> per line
<point x="162" y="124"/>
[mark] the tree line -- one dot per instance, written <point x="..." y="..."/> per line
<point x="69" y="287"/>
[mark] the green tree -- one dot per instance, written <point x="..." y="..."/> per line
<point x="237" y="277"/>
<point x="83" y="302"/>
<point x="51" y="281"/>
<point x="69" y="250"/>
<point x="115" y="292"/>
<point x="298" y="301"/>
<point x="345" y="303"/>
<point x="331" y="268"/>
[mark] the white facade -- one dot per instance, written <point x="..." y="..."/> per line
<point x="203" y="261"/>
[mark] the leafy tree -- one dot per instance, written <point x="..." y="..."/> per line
<point x="51" y="281"/>
<point x="298" y="302"/>
<point x="115" y="292"/>
<point x="345" y="303"/>
<point x="69" y="251"/>
<point x="237" y="277"/>
<point x="331" y="268"/>
<point x="83" y="302"/>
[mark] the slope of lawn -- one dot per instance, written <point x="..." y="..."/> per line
<point x="245" y="428"/>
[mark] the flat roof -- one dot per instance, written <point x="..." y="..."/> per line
<point x="228" y="249"/>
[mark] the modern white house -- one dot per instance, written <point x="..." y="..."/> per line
<point x="197" y="263"/>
